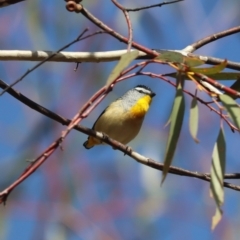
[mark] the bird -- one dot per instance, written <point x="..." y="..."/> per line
<point x="123" y="118"/>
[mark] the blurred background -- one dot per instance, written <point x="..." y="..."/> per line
<point x="100" y="193"/>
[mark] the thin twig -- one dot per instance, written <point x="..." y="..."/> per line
<point x="151" y="6"/>
<point x="5" y="3"/>
<point x="79" y="38"/>
<point x="206" y="59"/>
<point x="130" y="30"/>
<point x="213" y="37"/>
<point x="35" y="164"/>
<point x="116" y="35"/>
<point x="107" y="56"/>
<point x="4" y="194"/>
<point x="216" y="61"/>
<point x="160" y="76"/>
<point x="27" y="55"/>
<point x="123" y="148"/>
<point x="218" y="85"/>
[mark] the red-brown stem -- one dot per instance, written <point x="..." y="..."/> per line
<point x="112" y="142"/>
<point x="97" y="98"/>
<point x="152" y="6"/>
<point x="152" y="75"/>
<point x="116" y="35"/>
<point x="79" y="38"/>
<point x="130" y="31"/>
<point x="218" y="85"/>
<point x="28" y="171"/>
<point x="233" y="127"/>
<point x="214" y="37"/>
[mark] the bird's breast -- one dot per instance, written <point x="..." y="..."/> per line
<point x="141" y="107"/>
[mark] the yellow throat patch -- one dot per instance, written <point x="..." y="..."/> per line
<point x="141" y="107"/>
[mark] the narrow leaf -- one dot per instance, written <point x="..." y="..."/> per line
<point x="124" y="61"/>
<point x="175" y="128"/>
<point x="232" y="108"/>
<point x="217" y="176"/>
<point x="216" y="218"/>
<point x="177" y="57"/>
<point x="170" y="56"/>
<point x="193" y="120"/>
<point x="211" y="70"/>
<point x="193" y="61"/>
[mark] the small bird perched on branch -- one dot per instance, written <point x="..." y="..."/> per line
<point x="123" y="118"/>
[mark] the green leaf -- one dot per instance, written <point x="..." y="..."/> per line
<point x="124" y="61"/>
<point x="193" y="119"/>
<point x="232" y="108"/>
<point x="177" y="57"/>
<point x="176" y="121"/>
<point x="170" y="56"/>
<point x="216" y="218"/>
<point x="216" y="76"/>
<point x="193" y="61"/>
<point x="211" y="70"/>
<point x="217" y="176"/>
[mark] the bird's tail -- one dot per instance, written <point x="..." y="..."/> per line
<point x="87" y="145"/>
<point x="91" y="142"/>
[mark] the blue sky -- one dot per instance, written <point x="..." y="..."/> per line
<point x="101" y="194"/>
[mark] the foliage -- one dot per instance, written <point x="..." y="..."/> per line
<point x="203" y="80"/>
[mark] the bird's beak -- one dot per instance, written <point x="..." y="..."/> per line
<point x="153" y="95"/>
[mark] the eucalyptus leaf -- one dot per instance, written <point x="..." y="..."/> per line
<point x="170" y="56"/>
<point x="178" y="57"/>
<point x="193" y="119"/>
<point x="217" y="175"/>
<point x="193" y="61"/>
<point x="211" y="70"/>
<point x="124" y="61"/>
<point x="176" y="121"/>
<point x="232" y="108"/>
<point x="216" y="218"/>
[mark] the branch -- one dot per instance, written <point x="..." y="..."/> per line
<point x="216" y="61"/>
<point x="218" y="85"/>
<point x="206" y="59"/>
<point x="151" y="6"/>
<point x="5" y="3"/>
<point x="213" y="37"/>
<point x="79" y="38"/>
<point x="207" y="104"/>
<point x="107" y="56"/>
<point x="92" y="103"/>
<point x="142" y="65"/>
<point x="115" y="34"/>
<point x="116" y="145"/>
<point x="129" y="24"/>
